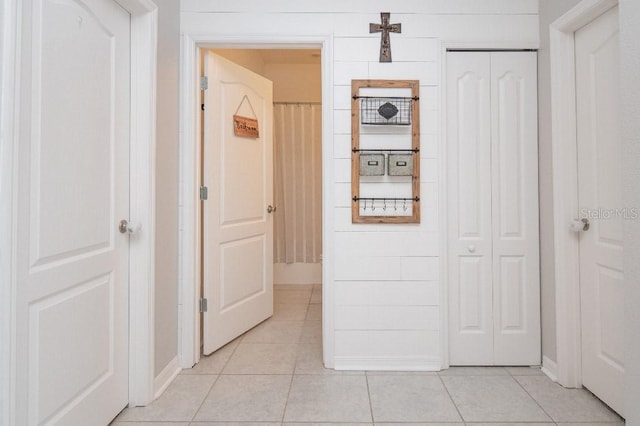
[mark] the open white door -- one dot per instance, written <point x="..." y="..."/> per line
<point x="600" y="196"/>
<point x="237" y="217"/>
<point x="72" y="263"/>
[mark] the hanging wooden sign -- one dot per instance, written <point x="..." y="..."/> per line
<point x="245" y="127"/>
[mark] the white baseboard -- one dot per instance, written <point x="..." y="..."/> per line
<point x="166" y="376"/>
<point x="297" y="273"/>
<point x="550" y="368"/>
<point x="387" y="363"/>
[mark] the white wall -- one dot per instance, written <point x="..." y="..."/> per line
<point x="550" y="10"/>
<point x="386" y="280"/>
<point x="630" y="111"/>
<point x="166" y="254"/>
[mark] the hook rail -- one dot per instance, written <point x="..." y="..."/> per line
<point x="356" y="198"/>
<point x="354" y="150"/>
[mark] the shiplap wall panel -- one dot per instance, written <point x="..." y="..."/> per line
<point x="387" y="343"/>
<point x="387" y="317"/>
<point x="387" y="293"/>
<point x="381" y="272"/>
<point x="342" y="222"/>
<point x="393" y="244"/>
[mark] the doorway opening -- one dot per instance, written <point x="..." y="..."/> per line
<point x="293" y="288"/>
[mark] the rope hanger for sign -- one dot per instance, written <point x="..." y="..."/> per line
<point x="245" y="126"/>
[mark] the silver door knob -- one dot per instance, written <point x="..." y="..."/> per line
<point x="271" y="209"/>
<point x="125" y="227"/>
<point x="580" y="225"/>
<point x="471" y="248"/>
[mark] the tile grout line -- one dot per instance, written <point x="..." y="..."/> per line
<point x="451" y="398"/>
<point x="293" y="373"/>
<point x="366" y="379"/>
<point x="204" y="399"/>
<point x="214" y="382"/>
<point x="534" y="399"/>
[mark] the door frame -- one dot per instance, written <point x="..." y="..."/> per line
<point x="190" y="165"/>
<point x="144" y="30"/>
<point x="445" y="47"/>
<point x="565" y="190"/>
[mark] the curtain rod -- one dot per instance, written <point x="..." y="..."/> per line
<point x="297" y="103"/>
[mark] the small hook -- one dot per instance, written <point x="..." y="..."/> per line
<point x="365" y="205"/>
<point x="384" y="207"/>
<point x="395" y="206"/>
<point x="404" y="205"/>
<point x="373" y="205"/>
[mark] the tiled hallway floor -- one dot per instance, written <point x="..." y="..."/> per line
<point x="273" y="375"/>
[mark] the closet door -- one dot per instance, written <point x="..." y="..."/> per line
<point x="494" y="300"/>
<point x="514" y="183"/>
<point x="469" y="195"/>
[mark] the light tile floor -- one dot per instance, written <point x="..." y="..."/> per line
<point x="273" y="375"/>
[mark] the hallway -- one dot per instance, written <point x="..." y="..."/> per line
<point x="273" y="374"/>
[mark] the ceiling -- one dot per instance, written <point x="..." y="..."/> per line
<point x="283" y="56"/>
<point x="290" y="56"/>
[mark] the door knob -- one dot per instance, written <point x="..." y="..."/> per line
<point x="580" y="225"/>
<point x="471" y="248"/>
<point x="271" y="209"/>
<point x="124" y="226"/>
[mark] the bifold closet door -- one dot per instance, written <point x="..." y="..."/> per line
<point x="494" y="290"/>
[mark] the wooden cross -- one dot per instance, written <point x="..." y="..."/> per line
<point x="385" y="28"/>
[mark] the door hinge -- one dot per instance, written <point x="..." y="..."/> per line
<point x="204" y="193"/>
<point x="204" y="83"/>
<point x="203" y="305"/>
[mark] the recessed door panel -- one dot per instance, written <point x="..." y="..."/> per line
<point x="472" y="295"/>
<point x="239" y="281"/>
<point x="68" y="139"/>
<point x="509" y="142"/>
<point x="471" y="149"/>
<point x="512" y="290"/>
<point x="243" y="198"/>
<point x="56" y="335"/>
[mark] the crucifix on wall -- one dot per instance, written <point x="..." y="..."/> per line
<point x="385" y="28"/>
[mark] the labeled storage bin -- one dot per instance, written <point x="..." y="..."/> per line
<point x="371" y="164"/>
<point x="400" y="165"/>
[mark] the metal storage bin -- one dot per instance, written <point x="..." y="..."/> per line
<point x="385" y="111"/>
<point x="371" y="164"/>
<point x="400" y="165"/>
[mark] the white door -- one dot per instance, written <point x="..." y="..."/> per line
<point x="494" y="284"/>
<point x="237" y="220"/>
<point x="600" y="200"/>
<point x="72" y="263"/>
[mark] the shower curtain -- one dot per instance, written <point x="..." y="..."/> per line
<point x="297" y="182"/>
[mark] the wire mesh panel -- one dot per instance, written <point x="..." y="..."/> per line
<point x="385" y="111"/>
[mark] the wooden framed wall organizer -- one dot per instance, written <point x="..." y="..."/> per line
<point x="385" y="151"/>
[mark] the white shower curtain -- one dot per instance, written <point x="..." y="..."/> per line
<point x="297" y="186"/>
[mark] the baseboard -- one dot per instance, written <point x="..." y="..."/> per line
<point x="387" y="363"/>
<point x="297" y="273"/>
<point x="166" y="376"/>
<point x="550" y="368"/>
